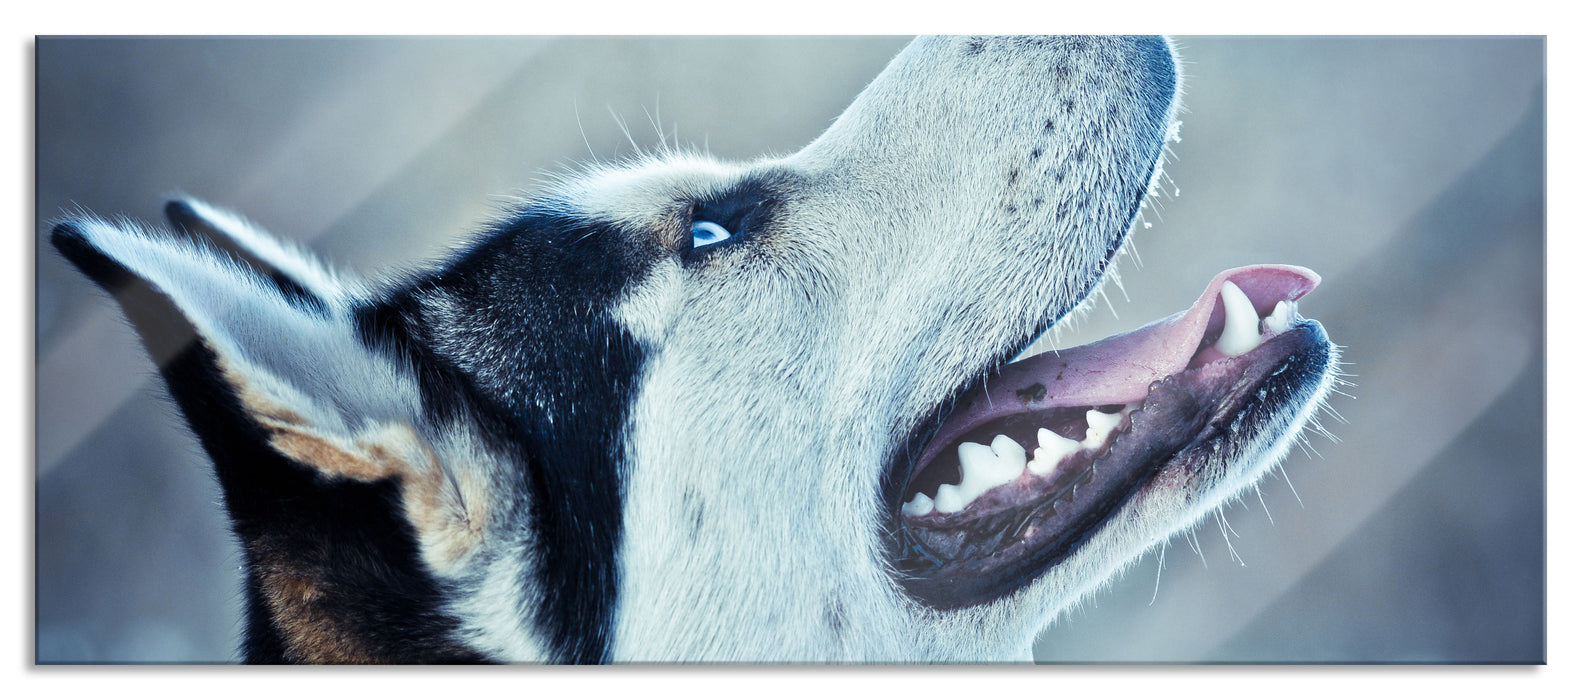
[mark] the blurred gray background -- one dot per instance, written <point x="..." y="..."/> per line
<point x="1408" y="172"/>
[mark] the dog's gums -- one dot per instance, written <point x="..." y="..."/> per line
<point x="1048" y="448"/>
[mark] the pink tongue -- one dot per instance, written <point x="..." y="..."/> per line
<point x="1119" y="369"/>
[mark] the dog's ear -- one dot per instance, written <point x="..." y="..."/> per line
<point x="344" y="509"/>
<point x="295" y="271"/>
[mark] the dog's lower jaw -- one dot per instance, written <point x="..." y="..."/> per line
<point x="1200" y="425"/>
<point x="1176" y="498"/>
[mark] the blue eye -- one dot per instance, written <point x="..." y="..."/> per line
<point x="707" y="233"/>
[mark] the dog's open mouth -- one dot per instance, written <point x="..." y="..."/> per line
<point x="1034" y="460"/>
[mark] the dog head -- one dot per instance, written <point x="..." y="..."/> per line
<point x="688" y="410"/>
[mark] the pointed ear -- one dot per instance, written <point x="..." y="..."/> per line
<point x="343" y="505"/>
<point x="277" y="323"/>
<point x="295" y="271"/>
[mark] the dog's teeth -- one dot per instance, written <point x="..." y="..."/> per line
<point x="1281" y="318"/>
<point x="1052" y="448"/>
<point x="948" y="499"/>
<point x="975" y="458"/>
<point x="1100" y="425"/>
<point x="978" y="464"/>
<point x="1241" y="322"/>
<point x="919" y="505"/>
<point x="984" y="467"/>
<point x="1009" y="454"/>
<point x="1009" y="461"/>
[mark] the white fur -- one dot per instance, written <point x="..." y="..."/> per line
<point x="302" y="266"/>
<point x="944" y="218"/>
<point x="777" y="393"/>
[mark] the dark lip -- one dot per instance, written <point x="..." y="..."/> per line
<point x="1184" y="418"/>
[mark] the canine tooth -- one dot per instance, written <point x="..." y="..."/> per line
<point x="919" y="505"/>
<point x="1241" y="322"/>
<point x="1052" y="448"/>
<point x="1280" y="319"/>
<point x="948" y="499"/>
<point x="1100" y="425"/>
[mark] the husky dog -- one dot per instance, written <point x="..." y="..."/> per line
<point x="686" y="410"/>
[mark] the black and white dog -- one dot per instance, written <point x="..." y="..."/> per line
<point x="686" y="410"/>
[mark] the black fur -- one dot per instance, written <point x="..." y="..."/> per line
<point x="563" y="373"/>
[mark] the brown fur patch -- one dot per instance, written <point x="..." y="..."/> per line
<point x="447" y="507"/>
<point x="448" y="515"/>
<point x="327" y="455"/>
<point x="305" y="617"/>
<point x="256" y="402"/>
<point x="449" y="526"/>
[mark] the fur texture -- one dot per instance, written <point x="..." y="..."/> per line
<point x="586" y="439"/>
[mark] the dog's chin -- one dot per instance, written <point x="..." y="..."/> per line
<point x="1033" y="459"/>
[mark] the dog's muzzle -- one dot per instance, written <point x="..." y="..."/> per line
<point x="1027" y="469"/>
